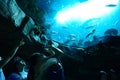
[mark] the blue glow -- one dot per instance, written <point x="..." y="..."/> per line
<point x="74" y="22"/>
<point x="84" y="11"/>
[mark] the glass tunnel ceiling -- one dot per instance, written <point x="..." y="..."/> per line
<point x="74" y="22"/>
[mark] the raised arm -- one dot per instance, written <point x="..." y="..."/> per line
<point x="4" y="61"/>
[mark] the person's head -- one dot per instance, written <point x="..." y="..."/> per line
<point x="35" y="62"/>
<point x="36" y="57"/>
<point x="19" y="64"/>
<point x="39" y="64"/>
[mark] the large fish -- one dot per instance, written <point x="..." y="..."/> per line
<point x="91" y="26"/>
<point x="93" y="22"/>
<point x="111" y="5"/>
<point x="91" y="33"/>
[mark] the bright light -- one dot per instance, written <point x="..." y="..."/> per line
<point x="85" y="11"/>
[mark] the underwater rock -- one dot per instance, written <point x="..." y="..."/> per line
<point x="110" y="41"/>
<point x="10" y="9"/>
<point x="4" y="8"/>
<point x="31" y="9"/>
<point x="14" y="25"/>
<point x="28" y="27"/>
<point x="111" y="32"/>
<point x="15" y="12"/>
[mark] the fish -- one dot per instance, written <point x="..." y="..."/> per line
<point x="91" y="22"/>
<point x="88" y="27"/>
<point x="117" y="22"/>
<point x="72" y="35"/>
<point x="54" y="32"/>
<point x="111" y="5"/>
<point x="73" y="39"/>
<point x="70" y="38"/>
<point x="64" y="27"/>
<point x="91" y="33"/>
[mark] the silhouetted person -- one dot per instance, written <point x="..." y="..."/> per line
<point x="18" y="72"/>
<point x="9" y="56"/>
<point x="45" y="68"/>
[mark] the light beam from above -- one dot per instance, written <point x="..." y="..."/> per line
<point x="84" y="11"/>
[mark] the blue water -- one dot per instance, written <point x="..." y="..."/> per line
<point x="78" y="31"/>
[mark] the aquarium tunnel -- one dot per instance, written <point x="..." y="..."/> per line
<point x="78" y="22"/>
<point x="60" y="39"/>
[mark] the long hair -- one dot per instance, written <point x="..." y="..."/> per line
<point x="42" y="62"/>
<point x="32" y="63"/>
